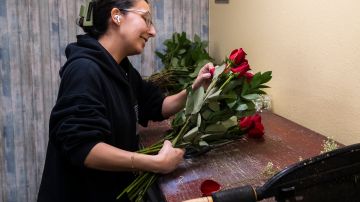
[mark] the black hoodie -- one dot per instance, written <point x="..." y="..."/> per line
<point x="98" y="101"/>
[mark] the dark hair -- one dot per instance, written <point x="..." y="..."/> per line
<point x="101" y="13"/>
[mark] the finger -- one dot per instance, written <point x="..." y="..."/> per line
<point x="167" y="143"/>
<point x="210" y="68"/>
<point x="210" y="65"/>
<point x="206" y="67"/>
<point x="180" y="151"/>
<point x="206" y="75"/>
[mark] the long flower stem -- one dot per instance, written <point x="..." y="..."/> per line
<point x="227" y="81"/>
<point x="141" y="184"/>
<point x="182" y="132"/>
<point x="213" y="82"/>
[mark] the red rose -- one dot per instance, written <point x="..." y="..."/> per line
<point x="237" y="56"/>
<point x="242" y="68"/>
<point x="253" y="126"/>
<point x="245" y="122"/>
<point x="212" y="71"/>
<point x="248" y="76"/>
<point x="257" y="131"/>
<point x="256" y="118"/>
<point x="208" y="187"/>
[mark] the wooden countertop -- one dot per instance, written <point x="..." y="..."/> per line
<point x="241" y="162"/>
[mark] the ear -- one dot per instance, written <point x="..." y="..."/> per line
<point x="116" y="16"/>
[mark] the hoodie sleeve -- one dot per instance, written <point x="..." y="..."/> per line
<point x="150" y="103"/>
<point x="78" y="120"/>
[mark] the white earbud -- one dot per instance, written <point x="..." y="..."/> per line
<point x="117" y="17"/>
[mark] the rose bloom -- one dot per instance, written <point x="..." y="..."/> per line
<point x="212" y="71"/>
<point x="245" y="122"/>
<point x="237" y="56"/>
<point x="242" y="68"/>
<point x="256" y="118"/>
<point x="248" y="76"/>
<point x="253" y="125"/>
<point x="257" y="131"/>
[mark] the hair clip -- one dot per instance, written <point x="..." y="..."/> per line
<point x="86" y="14"/>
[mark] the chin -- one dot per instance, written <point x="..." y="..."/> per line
<point x="140" y="49"/>
<point x="137" y="48"/>
<point x="137" y="51"/>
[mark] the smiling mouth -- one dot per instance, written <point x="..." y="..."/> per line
<point x="144" y="38"/>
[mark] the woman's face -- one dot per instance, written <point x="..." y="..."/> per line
<point x="136" y="27"/>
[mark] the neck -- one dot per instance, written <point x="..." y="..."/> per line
<point x="110" y="43"/>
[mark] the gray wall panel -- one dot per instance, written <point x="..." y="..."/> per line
<point x="33" y="37"/>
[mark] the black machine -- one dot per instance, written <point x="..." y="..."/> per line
<point x="330" y="177"/>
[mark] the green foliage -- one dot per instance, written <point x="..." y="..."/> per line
<point x="256" y="83"/>
<point x="182" y="60"/>
<point x="211" y="116"/>
<point x="220" y="108"/>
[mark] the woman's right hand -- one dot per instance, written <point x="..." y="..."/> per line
<point x="169" y="157"/>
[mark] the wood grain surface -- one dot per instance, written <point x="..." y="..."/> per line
<point x="242" y="162"/>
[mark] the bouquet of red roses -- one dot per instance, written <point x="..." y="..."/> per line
<point x="219" y="114"/>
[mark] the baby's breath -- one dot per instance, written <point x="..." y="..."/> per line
<point x="328" y="145"/>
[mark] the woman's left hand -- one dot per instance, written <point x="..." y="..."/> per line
<point x="204" y="77"/>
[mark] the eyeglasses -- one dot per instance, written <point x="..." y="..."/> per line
<point x="146" y="15"/>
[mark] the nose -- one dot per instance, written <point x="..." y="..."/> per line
<point x="152" y="31"/>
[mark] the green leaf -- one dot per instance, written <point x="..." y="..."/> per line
<point x="206" y="114"/>
<point x="231" y="102"/>
<point x="191" y="134"/>
<point x="232" y="121"/>
<point x="232" y="84"/>
<point x="266" y="76"/>
<point x="218" y="96"/>
<point x="194" y="101"/>
<point x="212" y="91"/>
<point x="199" y="65"/>
<point x="212" y="137"/>
<point x="222" y="126"/>
<point x="174" y="62"/>
<point x="248" y="112"/>
<point x="242" y="107"/>
<point x="251" y="105"/>
<point x="182" y="51"/>
<point x="197" y="38"/>
<point x="183" y="62"/>
<point x="215" y="128"/>
<point x="220" y="115"/>
<point x="202" y="143"/>
<point x="263" y="86"/>
<point x="245" y="88"/>
<point x="204" y="44"/>
<point x="214" y="94"/>
<point x="251" y="96"/>
<point x="160" y="55"/>
<point x="199" y="99"/>
<point x="198" y="124"/>
<point x="218" y="71"/>
<point x="259" y="92"/>
<point x="214" y="106"/>
<point x="179" y="119"/>
<point x="189" y="107"/>
<point x="256" y="80"/>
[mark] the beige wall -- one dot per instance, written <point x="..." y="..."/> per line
<point x="313" y="49"/>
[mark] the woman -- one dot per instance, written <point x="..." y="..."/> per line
<point x="101" y="100"/>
